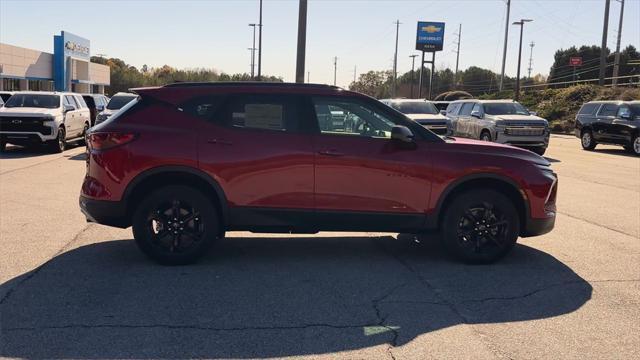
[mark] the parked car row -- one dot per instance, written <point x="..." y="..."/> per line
<point x="501" y="121"/>
<point x="52" y="119"/>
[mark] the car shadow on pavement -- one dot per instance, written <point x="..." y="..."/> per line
<point x="619" y="152"/>
<point x="270" y="297"/>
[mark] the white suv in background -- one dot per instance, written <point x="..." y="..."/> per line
<point x="41" y="117"/>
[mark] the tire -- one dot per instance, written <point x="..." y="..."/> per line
<point x="485" y="135"/>
<point x="587" y="140"/>
<point x="480" y="226"/>
<point x="539" y="150"/>
<point x="59" y="144"/>
<point x="3" y="146"/>
<point x="634" y="147"/>
<point x="158" y="228"/>
<point x="84" y="134"/>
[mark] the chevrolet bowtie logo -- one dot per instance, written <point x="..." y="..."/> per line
<point x="431" y="29"/>
<point x="16" y="121"/>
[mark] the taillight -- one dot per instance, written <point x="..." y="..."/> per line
<point x="108" y="140"/>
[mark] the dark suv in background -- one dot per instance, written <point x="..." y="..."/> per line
<point x="96" y="103"/>
<point x="184" y="163"/>
<point x="609" y="122"/>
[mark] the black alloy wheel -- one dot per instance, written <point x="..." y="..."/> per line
<point x="480" y="226"/>
<point x="175" y="225"/>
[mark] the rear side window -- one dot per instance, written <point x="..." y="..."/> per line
<point x="466" y="109"/>
<point x="608" y="110"/>
<point x="80" y="101"/>
<point x="588" y="109"/>
<point x="89" y="101"/>
<point x="265" y="112"/>
<point x="204" y="106"/>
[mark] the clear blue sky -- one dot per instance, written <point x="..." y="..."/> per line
<point x="215" y="33"/>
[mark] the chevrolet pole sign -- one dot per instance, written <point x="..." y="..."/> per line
<point x="430" y="36"/>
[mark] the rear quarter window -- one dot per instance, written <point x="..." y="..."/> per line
<point x="588" y="109"/>
<point x="608" y="110"/>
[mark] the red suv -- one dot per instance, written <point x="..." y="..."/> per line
<point x="184" y="163"/>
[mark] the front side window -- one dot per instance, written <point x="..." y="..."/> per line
<point x="70" y="101"/>
<point x="608" y="110"/>
<point x="119" y="101"/>
<point x="33" y="101"/>
<point x="80" y="101"/>
<point x="453" y="108"/>
<point x="507" y="108"/>
<point x="415" y="107"/>
<point x="352" y="118"/>
<point x="476" y="108"/>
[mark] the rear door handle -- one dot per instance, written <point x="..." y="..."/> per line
<point x="331" y="152"/>
<point x="218" y="141"/>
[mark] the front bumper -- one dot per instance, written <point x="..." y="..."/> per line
<point x="537" y="227"/>
<point x="18" y="138"/>
<point x="523" y="140"/>
<point x="110" y="213"/>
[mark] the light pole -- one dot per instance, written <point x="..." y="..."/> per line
<point x="302" y="39"/>
<point x="521" y="24"/>
<point x="413" y="64"/>
<point x="253" y="52"/>
<point x="504" y="49"/>
<point x="260" y="44"/>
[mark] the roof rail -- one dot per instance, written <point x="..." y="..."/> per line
<point x="250" y="83"/>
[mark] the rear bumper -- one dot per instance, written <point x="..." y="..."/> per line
<point x="537" y="227"/>
<point x="111" y="213"/>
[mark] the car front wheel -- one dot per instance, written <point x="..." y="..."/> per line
<point x="634" y="147"/>
<point x="480" y="226"/>
<point x="175" y="225"/>
<point x="59" y="144"/>
<point x="588" y="143"/>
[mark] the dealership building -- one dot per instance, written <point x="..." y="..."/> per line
<point x="69" y="68"/>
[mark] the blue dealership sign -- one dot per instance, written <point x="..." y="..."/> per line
<point x="66" y="48"/>
<point x="430" y="36"/>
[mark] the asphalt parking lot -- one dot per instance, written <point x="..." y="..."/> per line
<point x="69" y="289"/>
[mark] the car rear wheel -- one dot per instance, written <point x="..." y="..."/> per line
<point x="587" y="140"/>
<point x="480" y="226"/>
<point x="634" y="147"/>
<point x="485" y="136"/>
<point x="59" y="144"/>
<point x="175" y="225"/>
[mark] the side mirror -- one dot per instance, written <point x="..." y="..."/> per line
<point x="402" y="134"/>
<point x="443" y="112"/>
<point x="476" y="114"/>
<point x="68" y="108"/>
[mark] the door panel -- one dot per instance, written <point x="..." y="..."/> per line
<point x="360" y="169"/>
<point x="603" y="124"/>
<point x="370" y="175"/>
<point x="256" y="164"/>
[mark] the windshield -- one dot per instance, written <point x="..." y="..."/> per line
<point x="33" y="101"/>
<point x="505" y="109"/>
<point x="119" y="101"/>
<point x="415" y="107"/>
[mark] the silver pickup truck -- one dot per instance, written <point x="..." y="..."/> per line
<point x="502" y="121"/>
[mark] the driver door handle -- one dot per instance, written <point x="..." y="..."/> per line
<point x="331" y="152"/>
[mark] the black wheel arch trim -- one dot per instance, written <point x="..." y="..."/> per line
<point x="434" y="221"/>
<point x="224" y="207"/>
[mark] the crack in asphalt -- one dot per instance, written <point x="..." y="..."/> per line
<point x="35" y="271"/>
<point x="598" y="225"/>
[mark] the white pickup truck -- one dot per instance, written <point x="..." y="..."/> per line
<point x="40" y="117"/>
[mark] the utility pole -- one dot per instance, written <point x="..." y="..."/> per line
<point x="521" y="24"/>
<point x="354" y="73"/>
<point x="616" y="62"/>
<point x="335" y="69"/>
<point x="455" y="79"/>
<point x="504" y="50"/>
<point x="260" y="44"/>
<point x="308" y="76"/>
<point x="413" y="64"/>
<point x="302" y="39"/>
<point x="253" y="52"/>
<point x="531" y="44"/>
<point x="603" y="49"/>
<point x="395" y="61"/>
